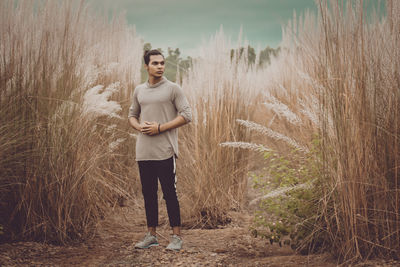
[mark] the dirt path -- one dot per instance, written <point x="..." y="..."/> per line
<point x="228" y="246"/>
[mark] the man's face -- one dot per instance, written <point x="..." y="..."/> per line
<point x="156" y="66"/>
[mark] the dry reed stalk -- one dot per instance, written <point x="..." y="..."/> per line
<point x="359" y="64"/>
<point x="339" y="71"/>
<point x="59" y="175"/>
<point x="351" y="65"/>
<point x="220" y="89"/>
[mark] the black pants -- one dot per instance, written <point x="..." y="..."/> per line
<point x="150" y="172"/>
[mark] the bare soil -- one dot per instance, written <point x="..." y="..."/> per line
<point x="231" y="245"/>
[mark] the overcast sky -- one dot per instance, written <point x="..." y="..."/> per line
<point x="186" y="23"/>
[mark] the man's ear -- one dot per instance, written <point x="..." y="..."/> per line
<point x="146" y="66"/>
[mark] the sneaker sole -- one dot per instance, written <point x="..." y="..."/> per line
<point x="151" y="245"/>
<point x="171" y="249"/>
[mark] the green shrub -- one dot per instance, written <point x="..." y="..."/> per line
<point x="288" y="211"/>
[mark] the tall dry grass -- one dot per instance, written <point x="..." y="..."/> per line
<point x="338" y="72"/>
<point x="66" y="74"/>
<point x="220" y="88"/>
<point x="358" y="67"/>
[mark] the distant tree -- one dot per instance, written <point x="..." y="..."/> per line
<point x="267" y="53"/>
<point x="172" y="63"/>
<point x="147" y="47"/>
<point x="264" y="56"/>
<point x="251" y="54"/>
<point x="185" y="64"/>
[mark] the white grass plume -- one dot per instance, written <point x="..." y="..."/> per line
<point x="97" y="103"/>
<point x="281" y="110"/>
<point x="111" y="128"/>
<point x="281" y="191"/>
<point x="114" y="145"/>
<point x="245" y="145"/>
<point x="270" y="133"/>
<point x="311" y="113"/>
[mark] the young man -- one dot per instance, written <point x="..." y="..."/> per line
<point x="158" y="108"/>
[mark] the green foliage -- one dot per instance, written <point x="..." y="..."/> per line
<point x="288" y="212"/>
<point x="251" y="54"/>
<point x="265" y="55"/>
<point x="172" y="63"/>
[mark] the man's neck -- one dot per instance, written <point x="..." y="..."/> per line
<point x="154" y="80"/>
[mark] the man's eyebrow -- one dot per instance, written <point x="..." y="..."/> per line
<point x="157" y="61"/>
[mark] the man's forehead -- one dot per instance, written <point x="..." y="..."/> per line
<point x="157" y="58"/>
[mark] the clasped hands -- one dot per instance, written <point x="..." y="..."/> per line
<point x="149" y="128"/>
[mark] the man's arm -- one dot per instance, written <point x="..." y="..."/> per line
<point x="175" y="123"/>
<point x="152" y="128"/>
<point x="134" y="122"/>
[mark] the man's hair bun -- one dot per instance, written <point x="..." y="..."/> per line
<point x="148" y="53"/>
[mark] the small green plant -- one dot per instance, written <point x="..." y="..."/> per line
<point x="288" y="210"/>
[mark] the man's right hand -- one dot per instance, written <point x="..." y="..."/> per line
<point x="149" y="128"/>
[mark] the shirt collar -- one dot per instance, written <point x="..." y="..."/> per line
<point x="163" y="80"/>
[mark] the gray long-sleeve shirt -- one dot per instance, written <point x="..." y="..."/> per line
<point x="160" y="102"/>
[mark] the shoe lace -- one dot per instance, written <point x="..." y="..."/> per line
<point x="176" y="239"/>
<point x="147" y="236"/>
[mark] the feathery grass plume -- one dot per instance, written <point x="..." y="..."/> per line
<point x="114" y="144"/>
<point x="57" y="175"/>
<point x="245" y="145"/>
<point x="281" y="110"/>
<point x="281" y="191"/>
<point x="309" y="112"/>
<point x="272" y="134"/>
<point x="111" y="128"/>
<point x="97" y="103"/>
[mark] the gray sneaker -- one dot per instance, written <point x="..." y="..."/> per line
<point x="148" y="241"/>
<point x="175" y="244"/>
